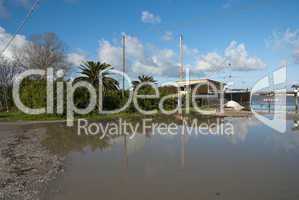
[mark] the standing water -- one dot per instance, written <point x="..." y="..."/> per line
<point x="253" y="163"/>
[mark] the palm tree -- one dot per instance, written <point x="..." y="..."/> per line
<point x="143" y="78"/>
<point x="146" y="104"/>
<point x="90" y="71"/>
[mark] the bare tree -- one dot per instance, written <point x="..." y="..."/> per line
<point x="43" y="51"/>
<point x="8" y="69"/>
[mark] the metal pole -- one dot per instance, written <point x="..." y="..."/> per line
<point x="208" y="97"/>
<point x="181" y="58"/>
<point x="181" y="71"/>
<point x="124" y="63"/>
<point x="221" y="98"/>
<point x="269" y="104"/>
<point x="296" y="102"/>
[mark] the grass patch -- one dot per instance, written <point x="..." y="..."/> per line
<point x="19" y="116"/>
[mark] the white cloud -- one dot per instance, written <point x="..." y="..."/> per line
<point x="193" y="52"/>
<point x="76" y="58"/>
<point x="235" y="56"/>
<point x="109" y="53"/>
<point x="17" y="44"/>
<point x="149" y="59"/>
<point x="296" y="55"/>
<point x="286" y="40"/>
<point x="140" y="58"/>
<point x="167" y="36"/>
<point x="73" y="58"/>
<point x="148" y="17"/>
<point x="210" y="62"/>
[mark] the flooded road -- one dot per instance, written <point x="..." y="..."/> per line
<point x="255" y="162"/>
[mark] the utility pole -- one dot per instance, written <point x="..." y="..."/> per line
<point x="124" y="63"/>
<point x="221" y="96"/>
<point x="296" y="98"/>
<point x="230" y="81"/>
<point x="181" y="58"/>
<point x="296" y="102"/>
<point x="181" y="72"/>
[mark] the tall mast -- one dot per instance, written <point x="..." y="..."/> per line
<point x="181" y="58"/>
<point x="124" y="63"/>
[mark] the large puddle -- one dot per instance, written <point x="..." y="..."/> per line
<point x="255" y="162"/>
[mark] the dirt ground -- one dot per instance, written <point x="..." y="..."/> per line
<point x="26" y="167"/>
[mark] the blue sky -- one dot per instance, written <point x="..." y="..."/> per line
<point x="255" y="36"/>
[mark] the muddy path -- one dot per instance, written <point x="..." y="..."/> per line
<point x="26" y="166"/>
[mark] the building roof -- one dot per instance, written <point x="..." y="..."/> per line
<point x="199" y="81"/>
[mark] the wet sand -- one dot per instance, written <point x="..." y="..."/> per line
<point x="26" y="166"/>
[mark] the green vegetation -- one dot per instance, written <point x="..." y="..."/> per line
<point x="143" y="79"/>
<point x="90" y="72"/>
<point x="19" y="116"/>
<point x="47" y="51"/>
<point x="131" y="116"/>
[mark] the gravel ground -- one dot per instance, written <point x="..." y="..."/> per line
<point x="26" y="167"/>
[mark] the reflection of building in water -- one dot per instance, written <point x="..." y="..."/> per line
<point x="296" y="94"/>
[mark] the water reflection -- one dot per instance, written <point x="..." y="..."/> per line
<point x="241" y="128"/>
<point x="296" y="125"/>
<point x="63" y="140"/>
<point x="296" y="122"/>
<point x="253" y="163"/>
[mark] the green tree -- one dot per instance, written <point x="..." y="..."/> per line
<point x="142" y="79"/>
<point x="145" y="104"/>
<point x="90" y="72"/>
